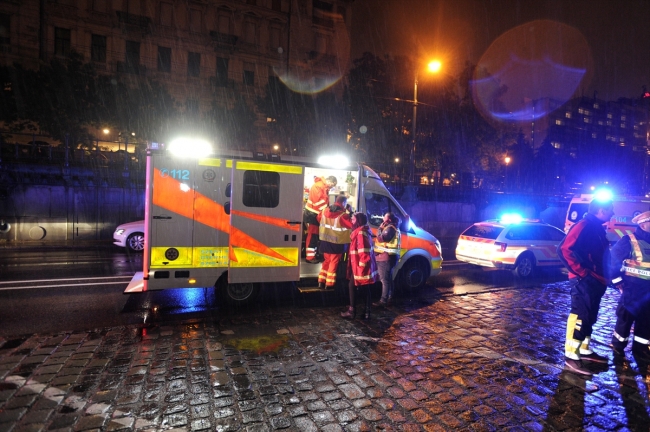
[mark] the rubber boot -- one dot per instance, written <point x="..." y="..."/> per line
<point x="349" y="314"/>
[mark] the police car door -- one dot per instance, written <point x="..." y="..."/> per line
<point x="266" y="222"/>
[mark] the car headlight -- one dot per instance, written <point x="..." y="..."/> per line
<point x="119" y="232"/>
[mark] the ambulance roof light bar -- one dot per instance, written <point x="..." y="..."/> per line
<point x="190" y="148"/>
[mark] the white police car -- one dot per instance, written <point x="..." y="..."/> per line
<point x="130" y="235"/>
<point x="511" y="243"/>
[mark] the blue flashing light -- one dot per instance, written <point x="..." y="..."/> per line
<point x="603" y="195"/>
<point x="511" y="218"/>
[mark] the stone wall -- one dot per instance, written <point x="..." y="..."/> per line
<point x="69" y="212"/>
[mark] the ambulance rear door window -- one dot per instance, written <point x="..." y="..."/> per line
<point x="261" y="189"/>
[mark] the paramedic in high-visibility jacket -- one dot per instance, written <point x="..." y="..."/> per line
<point x="387" y="251"/>
<point x="362" y="267"/>
<point x="631" y="275"/>
<point x="317" y="201"/>
<point x="585" y="253"/>
<point x="334" y="234"/>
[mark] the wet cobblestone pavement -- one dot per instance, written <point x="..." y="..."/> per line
<point x="491" y="361"/>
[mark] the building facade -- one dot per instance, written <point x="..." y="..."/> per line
<point x="200" y="50"/>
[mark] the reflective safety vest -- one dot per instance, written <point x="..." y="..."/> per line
<point x="391" y="247"/>
<point x="331" y="231"/>
<point x="638" y="265"/>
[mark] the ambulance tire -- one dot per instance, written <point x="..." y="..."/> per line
<point x="525" y="265"/>
<point x="238" y="294"/>
<point x="414" y="273"/>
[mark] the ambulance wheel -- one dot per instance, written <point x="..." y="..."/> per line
<point x="240" y="293"/>
<point x="525" y="265"/>
<point x="414" y="274"/>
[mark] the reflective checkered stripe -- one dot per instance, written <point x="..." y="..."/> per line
<point x="641" y="340"/>
<point x="621" y="338"/>
<point x="638" y="265"/>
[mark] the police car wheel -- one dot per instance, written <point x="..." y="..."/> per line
<point x="135" y="242"/>
<point x="525" y="265"/>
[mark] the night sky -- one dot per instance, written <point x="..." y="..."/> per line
<point x="608" y="42"/>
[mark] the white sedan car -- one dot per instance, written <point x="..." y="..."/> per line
<point x="130" y="235"/>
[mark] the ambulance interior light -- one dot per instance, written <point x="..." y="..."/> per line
<point x="190" y="148"/>
<point x="334" y="161"/>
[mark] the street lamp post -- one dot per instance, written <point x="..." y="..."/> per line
<point x="433" y="67"/>
<point x="505" y="182"/>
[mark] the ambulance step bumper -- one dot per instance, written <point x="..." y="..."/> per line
<point x="136" y="285"/>
<point x="311" y="289"/>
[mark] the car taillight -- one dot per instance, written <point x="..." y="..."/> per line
<point x="501" y="247"/>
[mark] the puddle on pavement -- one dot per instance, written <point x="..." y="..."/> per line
<point x="263" y="344"/>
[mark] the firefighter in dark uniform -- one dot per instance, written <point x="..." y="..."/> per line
<point x="631" y="275"/>
<point x="585" y="253"/>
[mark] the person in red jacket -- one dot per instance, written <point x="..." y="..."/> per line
<point x="317" y="201"/>
<point x="362" y="268"/>
<point x="585" y="253"/>
<point x="334" y="235"/>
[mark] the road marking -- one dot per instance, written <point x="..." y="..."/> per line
<point x="68" y="279"/>
<point x="61" y="285"/>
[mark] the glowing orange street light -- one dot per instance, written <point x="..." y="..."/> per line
<point x="507" y="161"/>
<point x="434" y="66"/>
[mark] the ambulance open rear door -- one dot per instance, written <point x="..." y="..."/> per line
<point x="265" y="222"/>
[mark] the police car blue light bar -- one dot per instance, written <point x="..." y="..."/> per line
<point x="603" y="195"/>
<point x="510" y="218"/>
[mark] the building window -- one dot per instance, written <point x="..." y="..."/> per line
<point x="559" y="122"/>
<point x="609" y="122"/>
<point x="164" y="59"/>
<point x="5" y="28"/>
<point x="132" y="57"/>
<point x="195" y="21"/>
<point x="609" y="116"/>
<point x="224" y="23"/>
<point x="250" y="31"/>
<point x="249" y="74"/>
<point x="99" y="5"/>
<point x="192" y="106"/>
<point x="594" y="135"/>
<point x="166" y="11"/>
<point x="623" y="118"/>
<point x="193" y="64"/>
<point x="327" y="7"/>
<point x="567" y="114"/>
<point x="600" y="122"/>
<point x="596" y="106"/>
<point x="623" y="126"/>
<point x="581" y="110"/>
<point x="222" y="72"/>
<point x="61" y="42"/>
<point x="556" y="144"/>
<point x="276" y="5"/>
<point x="321" y="43"/>
<point x="274" y="38"/>
<point x="98" y="48"/>
<point x="587" y="120"/>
